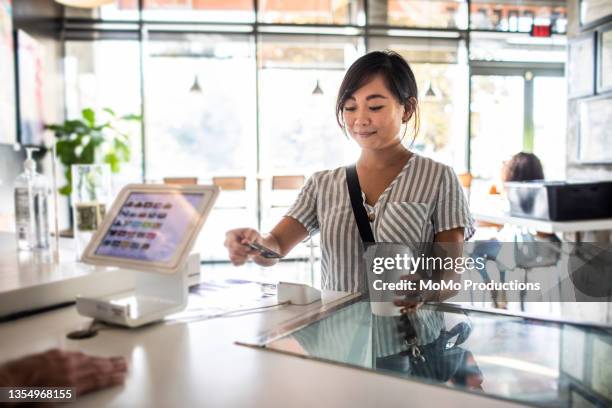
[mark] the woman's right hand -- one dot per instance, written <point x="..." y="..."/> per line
<point x="237" y="241"/>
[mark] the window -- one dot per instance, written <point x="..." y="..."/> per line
<point x="419" y="13"/>
<point x="237" y="11"/>
<point x="309" y="11"/>
<point x="106" y="74"/>
<point x="518" y="15"/>
<point x="200" y="121"/>
<point x="120" y="10"/>
<point x="441" y="72"/>
<point x="206" y="128"/>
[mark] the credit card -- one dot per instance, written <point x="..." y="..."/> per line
<point x="264" y="252"/>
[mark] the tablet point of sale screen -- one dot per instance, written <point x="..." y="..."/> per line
<point x="150" y="226"/>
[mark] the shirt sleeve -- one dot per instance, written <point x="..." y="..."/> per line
<point x="451" y="208"/>
<point x="304" y="208"/>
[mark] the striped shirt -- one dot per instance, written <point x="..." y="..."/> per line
<point x="425" y="198"/>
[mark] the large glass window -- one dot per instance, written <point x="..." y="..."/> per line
<point x="120" y="10"/>
<point x="549" y="144"/>
<point x="299" y="81"/>
<point x="419" y="13"/>
<point x="106" y="74"/>
<point x="200" y="105"/>
<point x="441" y="72"/>
<point x="258" y="118"/>
<point x="517" y="47"/>
<point x="200" y="121"/>
<point x="237" y="11"/>
<point x="518" y="15"/>
<point x="496" y="113"/>
<point x="309" y="11"/>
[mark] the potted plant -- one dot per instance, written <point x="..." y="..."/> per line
<point x="89" y="140"/>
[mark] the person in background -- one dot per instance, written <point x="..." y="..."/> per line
<point x="522" y="166"/>
<point x="57" y="368"/>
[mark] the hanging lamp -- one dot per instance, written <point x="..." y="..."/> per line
<point x="317" y="89"/>
<point x="84" y="3"/>
<point x="195" y="87"/>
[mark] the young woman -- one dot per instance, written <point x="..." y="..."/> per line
<point x="408" y="198"/>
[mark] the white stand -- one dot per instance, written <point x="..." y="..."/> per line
<point x="154" y="297"/>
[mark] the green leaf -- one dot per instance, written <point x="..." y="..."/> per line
<point x="122" y="150"/>
<point x="88" y="155"/>
<point x="110" y="111"/>
<point x="114" y="162"/>
<point x="90" y="116"/>
<point x="66" y="190"/>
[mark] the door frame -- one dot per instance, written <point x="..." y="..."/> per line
<point x="491" y="68"/>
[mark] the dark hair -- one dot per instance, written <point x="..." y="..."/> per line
<point x="523" y="167"/>
<point x="396" y="73"/>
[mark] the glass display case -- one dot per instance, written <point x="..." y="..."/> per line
<point x="511" y="357"/>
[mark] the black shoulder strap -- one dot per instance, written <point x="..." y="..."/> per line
<point x="363" y="224"/>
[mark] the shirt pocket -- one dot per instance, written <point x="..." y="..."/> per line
<point x="403" y="223"/>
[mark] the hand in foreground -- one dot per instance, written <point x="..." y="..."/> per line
<point x="236" y="242"/>
<point x="57" y="368"/>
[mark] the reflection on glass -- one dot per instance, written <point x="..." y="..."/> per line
<point x="237" y="11"/>
<point x="419" y="13"/>
<point x="523" y="360"/>
<point x="518" y="16"/>
<point x="308" y="11"/>
<point x="495" y="100"/>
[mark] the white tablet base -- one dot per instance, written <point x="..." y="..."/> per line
<point x="154" y="297"/>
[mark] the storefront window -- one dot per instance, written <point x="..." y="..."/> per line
<point x="419" y="13"/>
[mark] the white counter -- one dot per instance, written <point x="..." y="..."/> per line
<point x="197" y="364"/>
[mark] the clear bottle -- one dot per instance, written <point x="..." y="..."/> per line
<point x="31" y="207"/>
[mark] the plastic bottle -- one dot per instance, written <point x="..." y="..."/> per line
<point x="31" y="207"/>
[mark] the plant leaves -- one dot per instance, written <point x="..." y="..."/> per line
<point x="66" y="190"/>
<point x="88" y="155"/>
<point x="113" y="160"/>
<point x="90" y="116"/>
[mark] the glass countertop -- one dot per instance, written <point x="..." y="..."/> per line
<point x="526" y="360"/>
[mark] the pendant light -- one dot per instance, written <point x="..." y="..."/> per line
<point x="317" y="89"/>
<point x="431" y="92"/>
<point x="84" y="3"/>
<point x="195" y="87"/>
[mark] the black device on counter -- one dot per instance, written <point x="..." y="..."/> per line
<point x="560" y="200"/>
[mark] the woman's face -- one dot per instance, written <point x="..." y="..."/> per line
<point x="373" y="116"/>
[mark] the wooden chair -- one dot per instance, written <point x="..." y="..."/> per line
<point x="181" y="180"/>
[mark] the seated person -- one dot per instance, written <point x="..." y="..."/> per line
<point x="522" y="166"/>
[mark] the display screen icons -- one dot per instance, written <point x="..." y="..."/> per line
<point x="149" y="225"/>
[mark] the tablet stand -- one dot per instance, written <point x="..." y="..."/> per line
<point x="155" y="296"/>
